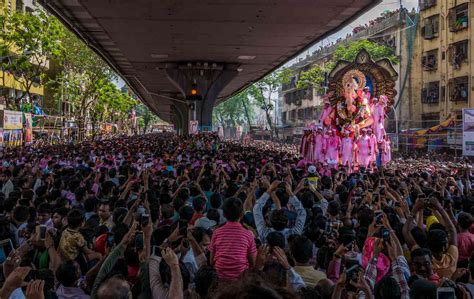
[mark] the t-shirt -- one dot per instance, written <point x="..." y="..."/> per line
<point x="310" y="276"/>
<point x="465" y="245"/>
<point x="447" y="265"/>
<point x="231" y="244"/>
<point x="71" y="243"/>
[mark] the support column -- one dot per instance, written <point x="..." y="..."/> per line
<point x="209" y="79"/>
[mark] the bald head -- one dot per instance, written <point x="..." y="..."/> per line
<point x="114" y="288"/>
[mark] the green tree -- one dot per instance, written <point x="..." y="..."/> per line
<point x="237" y="110"/>
<point x="263" y="91"/>
<point x="315" y="76"/>
<point x="29" y="41"/>
<point x="82" y="79"/>
<point x="145" y="117"/>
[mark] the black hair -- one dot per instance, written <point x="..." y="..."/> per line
<point x="387" y="288"/>
<point x="301" y="249"/>
<point x="199" y="203"/>
<point x="465" y="220"/>
<point x="216" y="200"/>
<point x="186" y="213"/>
<point x="437" y="240"/>
<point x="213" y="214"/>
<point x="44" y="208"/>
<point x="205" y="280"/>
<point x="61" y="211"/>
<point x="66" y="274"/>
<point x="276" y="239"/>
<point x="199" y="233"/>
<point x="75" y="218"/>
<point x="421" y="252"/>
<point x="275" y="274"/>
<point x="21" y="213"/>
<point x="233" y="209"/>
<point x="165" y="273"/>
<point x="278" y="219"/>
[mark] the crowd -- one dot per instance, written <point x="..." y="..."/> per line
<point x="166" y="216"/>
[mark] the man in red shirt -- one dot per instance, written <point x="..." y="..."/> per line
<point x="232" y="248"/>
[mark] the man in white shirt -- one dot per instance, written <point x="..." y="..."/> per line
<point x="7" y="187"/>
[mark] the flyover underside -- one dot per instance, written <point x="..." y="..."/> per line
<point x="141" y="39"/>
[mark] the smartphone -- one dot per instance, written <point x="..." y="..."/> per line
<point x="445" y="293"/>
<point x="110" y="239"/>
<point x="156" y="250"/>
<point x="139" y="241"/>
<point x="6" y="246"/>
<point x="378" y="217"/>
<point x="352" y="275"/>
<point x="42" y="231"/>
<point x="144" y="220"/>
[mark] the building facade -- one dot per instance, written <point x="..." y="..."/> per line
<point x="10" y="86"/>
<point x="443" y="63"/>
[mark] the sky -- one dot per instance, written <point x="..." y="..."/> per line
<point x="362" y="20"/>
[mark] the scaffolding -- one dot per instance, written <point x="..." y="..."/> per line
<point x="50" y="126"/>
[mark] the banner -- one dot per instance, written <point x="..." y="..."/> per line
<point x="28" y="125"/>
<point x="468" y="132"/>
<point x="193" y="127"/>
<point x="12" y="120"/>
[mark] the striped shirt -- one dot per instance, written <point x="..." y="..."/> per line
<point x="231" y="245"/>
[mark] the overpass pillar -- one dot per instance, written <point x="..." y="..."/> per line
<point x="209" y="79"/>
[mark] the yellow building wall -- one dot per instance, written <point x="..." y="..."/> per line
<point x="445" y="70"/>
<point x="7" y="80"/>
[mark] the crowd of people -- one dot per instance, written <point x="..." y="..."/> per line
<point x="167" y="216"/>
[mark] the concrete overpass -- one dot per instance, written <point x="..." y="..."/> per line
<point x="163" y="49"/>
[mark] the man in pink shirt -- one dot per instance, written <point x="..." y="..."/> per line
<point x="232" y="248"/>
<point x="465" y="238"/>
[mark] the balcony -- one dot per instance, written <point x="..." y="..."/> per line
<point x="290" y="85"/>
<point x="430" y="29"/>
<point x="459" y="89"/>
<point x="430" y="60"/>
<point x="430" y="94"/>
<point x="297" y="96"/>
<point x="425" y="4"/>
<point x="459" y="18"/>
<point x="458" y="54"/>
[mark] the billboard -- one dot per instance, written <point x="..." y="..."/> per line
<point x="468" y="132"/>
<point x="193" y="127"/>
<point x="28" y="129"/>
<point x="12" y="120"/>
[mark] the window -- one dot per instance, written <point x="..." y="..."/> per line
<point x="430" y="119"/>
<point x="430" y="60"/>
<point x="458" y="18"/>
<point x="293" y="115"/>
<point x="430" y="93"/>
<point x="458" y="53"/>
<point x="283" y="117"/>
<point x="425" y="4"/>
<point x="459" y="89"/>
<point x="296" y="96"/>
<point x="430" y="28"/>
<point x="19" y="5"/>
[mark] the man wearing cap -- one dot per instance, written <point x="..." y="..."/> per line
<point x="363" y="149"/>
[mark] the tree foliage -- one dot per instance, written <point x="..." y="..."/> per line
<point x="85" y="81"/>
<point x="316" y="75"/>
<point x="232" y="112"/>
<point x="145" y="117"/>
<point x="29" y="41"/>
